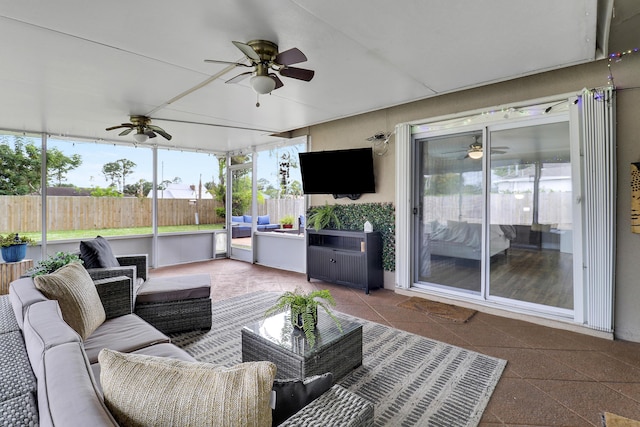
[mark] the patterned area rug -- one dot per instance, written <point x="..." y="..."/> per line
<point x="445" y="311"/>
<point x="412" y="380"/>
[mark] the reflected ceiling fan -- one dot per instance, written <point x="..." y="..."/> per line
<point x="264" y="57"/>
<point x="476" y="150"/>
<point x="143" y="127"/>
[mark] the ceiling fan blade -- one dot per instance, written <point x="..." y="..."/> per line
<point x="247" y="50"/>
<point x="291" y="56"/>
<point x="297" y="73"/>
<point x="279" y="83"/>
<point x="497" y="151"/>
<point x="125" y="132"/>
<point x="124" y="125"/>
<point x="239" y="77"/>
<point x="150" y="133"/>
<point x="237" y="64"/>
<point x="161" y="131"/>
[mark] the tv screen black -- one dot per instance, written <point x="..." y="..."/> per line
<point x="338" y="172"/>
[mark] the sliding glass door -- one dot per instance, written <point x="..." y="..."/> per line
<point x="450" y="211"/>
<point x="494" y="216"/>
<point x="530" y="203"/>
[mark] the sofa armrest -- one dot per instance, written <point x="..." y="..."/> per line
<point x="139" y="261"/>
<point x="116" y="294"/>
<point x="110" y="272"/>
<point x="336" y="406"/>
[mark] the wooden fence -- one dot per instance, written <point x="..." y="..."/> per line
<point x="24" y="213"/>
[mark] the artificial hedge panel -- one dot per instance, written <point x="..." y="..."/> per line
<point x="382" y="218"/>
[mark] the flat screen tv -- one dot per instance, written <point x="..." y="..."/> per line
<point x="343" y="173"/>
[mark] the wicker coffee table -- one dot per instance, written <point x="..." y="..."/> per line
<point x="274" y="339"/>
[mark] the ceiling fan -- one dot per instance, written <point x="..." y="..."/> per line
<point x="143" y="127"/>
<point x="476" y="150"/>
<point x="263" y="56"/>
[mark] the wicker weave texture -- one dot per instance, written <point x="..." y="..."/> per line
<point x="336" y="407"/>
<point x="116" y="295"/>
<point x="139" y="261"/>
<point x="339" y="357"/>
<point x="20" y="411"/>
<point x="16" y="375"/>
<point x="177" y="316"/>
<point x="8" y="321"/>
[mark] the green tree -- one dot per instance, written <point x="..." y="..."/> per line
<point x="139" y="189"/>
<point x="117" y="172"/>
<point x="19" y="166"/>
<point x="105" y="192"/>
<point x="58" y="164"/>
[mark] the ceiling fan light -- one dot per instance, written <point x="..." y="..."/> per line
<point x="475" y="155"/>
<point x="263" y="84"/>
<point x="140" y="137"/>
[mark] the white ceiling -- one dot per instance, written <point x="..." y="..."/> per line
<point x="73" y="68"/>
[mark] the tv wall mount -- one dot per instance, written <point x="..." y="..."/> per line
<point x="350" y="196"/>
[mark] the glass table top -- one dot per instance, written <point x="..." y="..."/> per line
<point x="278" y="330"/>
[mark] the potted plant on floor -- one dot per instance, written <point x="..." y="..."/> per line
<point x="304" y="310"/>
<point x="287" y="221"/>
<point x="14" y="247"/>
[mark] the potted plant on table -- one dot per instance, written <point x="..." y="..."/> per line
<point x="14" y="247"/>
<point x="287" y="221"/>
<point x="304" y="310"/>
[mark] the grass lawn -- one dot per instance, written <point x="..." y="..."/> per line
<point x="82" y="234"/>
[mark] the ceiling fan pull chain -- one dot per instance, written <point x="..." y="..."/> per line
<point x="257" y="100"/>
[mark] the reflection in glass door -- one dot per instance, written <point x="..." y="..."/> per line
<point x="530" y="204"/>
<point x="505" y="234"/>
<point x="450" y="211"/>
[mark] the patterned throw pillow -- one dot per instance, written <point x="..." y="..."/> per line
<point x="142" y="390"/>
<point x="77" y="296"/>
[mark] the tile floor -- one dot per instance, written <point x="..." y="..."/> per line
<point x="553" y="377"/>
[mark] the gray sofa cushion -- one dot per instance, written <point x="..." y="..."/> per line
<point x="44" y="328"/>
<point x="177" y="288"/>
<point x="23" y="293"/>
<point x="67" y="392"/>
<point x="125" y="333"/>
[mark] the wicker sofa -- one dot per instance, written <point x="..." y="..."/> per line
<point x="51" y="376"/>
<point x="171" y="305"/>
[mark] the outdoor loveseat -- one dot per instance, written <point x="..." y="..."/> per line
<point x="241" y="225"/>
<point x="83" y="358"/>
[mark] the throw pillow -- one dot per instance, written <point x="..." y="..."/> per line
<point x="263" y="220"/>
<point x="77" y="296"/>
<point x="247" y="218"/>
<point x="97" y="253"/>
<point x="293" y="395"/>
<point x="238" y="218"/>
<point x="142" y="390"/>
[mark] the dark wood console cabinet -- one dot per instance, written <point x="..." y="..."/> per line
<point x="350" y="258"/>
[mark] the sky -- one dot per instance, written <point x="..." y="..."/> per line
<point x="190" y="167"/>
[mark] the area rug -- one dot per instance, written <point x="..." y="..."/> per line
<point x="445" y="311"/>
<point x="412" y="380"/>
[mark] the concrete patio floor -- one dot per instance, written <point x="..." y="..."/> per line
<point x="553" y="377"/>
